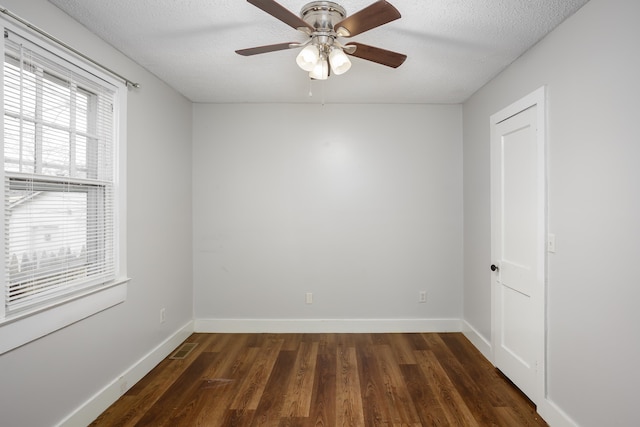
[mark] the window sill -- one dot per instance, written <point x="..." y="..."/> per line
<point x="21" y="328"/>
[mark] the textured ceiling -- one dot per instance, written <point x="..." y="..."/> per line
<point x="454" y="47"/>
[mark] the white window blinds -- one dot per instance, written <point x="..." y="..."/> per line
<point x="59" y="144"/>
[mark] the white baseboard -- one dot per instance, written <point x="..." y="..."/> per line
<point x="554" y="416"/>
<point x="99" y="402"/>
<point x="326" y="325"/>
<point x="480" y="342"/>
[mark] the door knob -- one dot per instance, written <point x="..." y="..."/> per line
<point x="494" y="267"/>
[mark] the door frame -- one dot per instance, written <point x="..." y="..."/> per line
<point x="536" y="98"/>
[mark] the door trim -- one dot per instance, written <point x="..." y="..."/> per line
<point x="538" y="99"/>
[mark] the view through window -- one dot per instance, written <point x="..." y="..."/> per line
<point x="59" y="177"/>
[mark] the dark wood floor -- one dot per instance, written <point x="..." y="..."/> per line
<point x="324" y="380"/>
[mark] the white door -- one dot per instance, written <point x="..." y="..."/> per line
<point x="518" y="245"/>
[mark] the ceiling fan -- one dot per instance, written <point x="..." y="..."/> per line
<point x="324" y="22"/>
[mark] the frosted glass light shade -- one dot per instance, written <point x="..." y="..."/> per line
<point x="339" y="61"/>
<point x="320" y="71"/>
<point x="308" y="58"/>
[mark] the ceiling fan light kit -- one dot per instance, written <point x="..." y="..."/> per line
<point x="308" y="57"/>
<point x="320" y="70"/>
<point x="323" y="22"/>
<point x="339" y="61"/>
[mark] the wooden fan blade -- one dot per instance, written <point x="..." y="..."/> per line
<point x="280" y="12"/>
<point x="375" y="54"/>
<point x="372" y="16"/>
<point x="266" y="49"/>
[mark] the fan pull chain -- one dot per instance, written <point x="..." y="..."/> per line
<point x="322" y="86"/>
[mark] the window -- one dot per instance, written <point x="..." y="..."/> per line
<point x="61" y="161"/>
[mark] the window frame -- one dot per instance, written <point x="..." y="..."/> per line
<point x="20" y="327"/>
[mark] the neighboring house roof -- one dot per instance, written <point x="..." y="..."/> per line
<point x="18" y="200"/>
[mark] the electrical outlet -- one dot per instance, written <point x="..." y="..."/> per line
<point x="309" y="298"/>
<point x="422" y="296"/>
<point x="163" y="315"/>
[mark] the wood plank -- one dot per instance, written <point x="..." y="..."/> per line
<point x="418" y="341"/>
<point x="235" y="418"/>
<point x="221" y="381"/>
<point x="452" y="403"/>
<point x="423" y="396"/>
<point x="326" y="344"/>
<point x="474" y="365"/>
<point x="403" y="348"/>
<point x="454" y="364"/>
<point x="348" y="397"/>
<point x="297" y="401"/>
<point x="235" y="357"/>
<point x="218" y="342"/>
<point x="511" y="416"/>
<point x="178" y="396"/>
<point x="346" y="340"/>
<point x="374" y="402"/>
<point x="268" y="412"/>
<point x="292" y="342"/>
<point x="399" y="401"/>
<point x="323" y="401"/>
<point x="251" y="388"/>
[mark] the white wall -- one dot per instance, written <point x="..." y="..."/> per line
<point x="49" y="379"/>
<point x="359" y="204"/>
<point x="591" y="67"/>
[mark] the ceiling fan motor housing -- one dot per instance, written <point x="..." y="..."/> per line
<point x="323" y="15"/>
